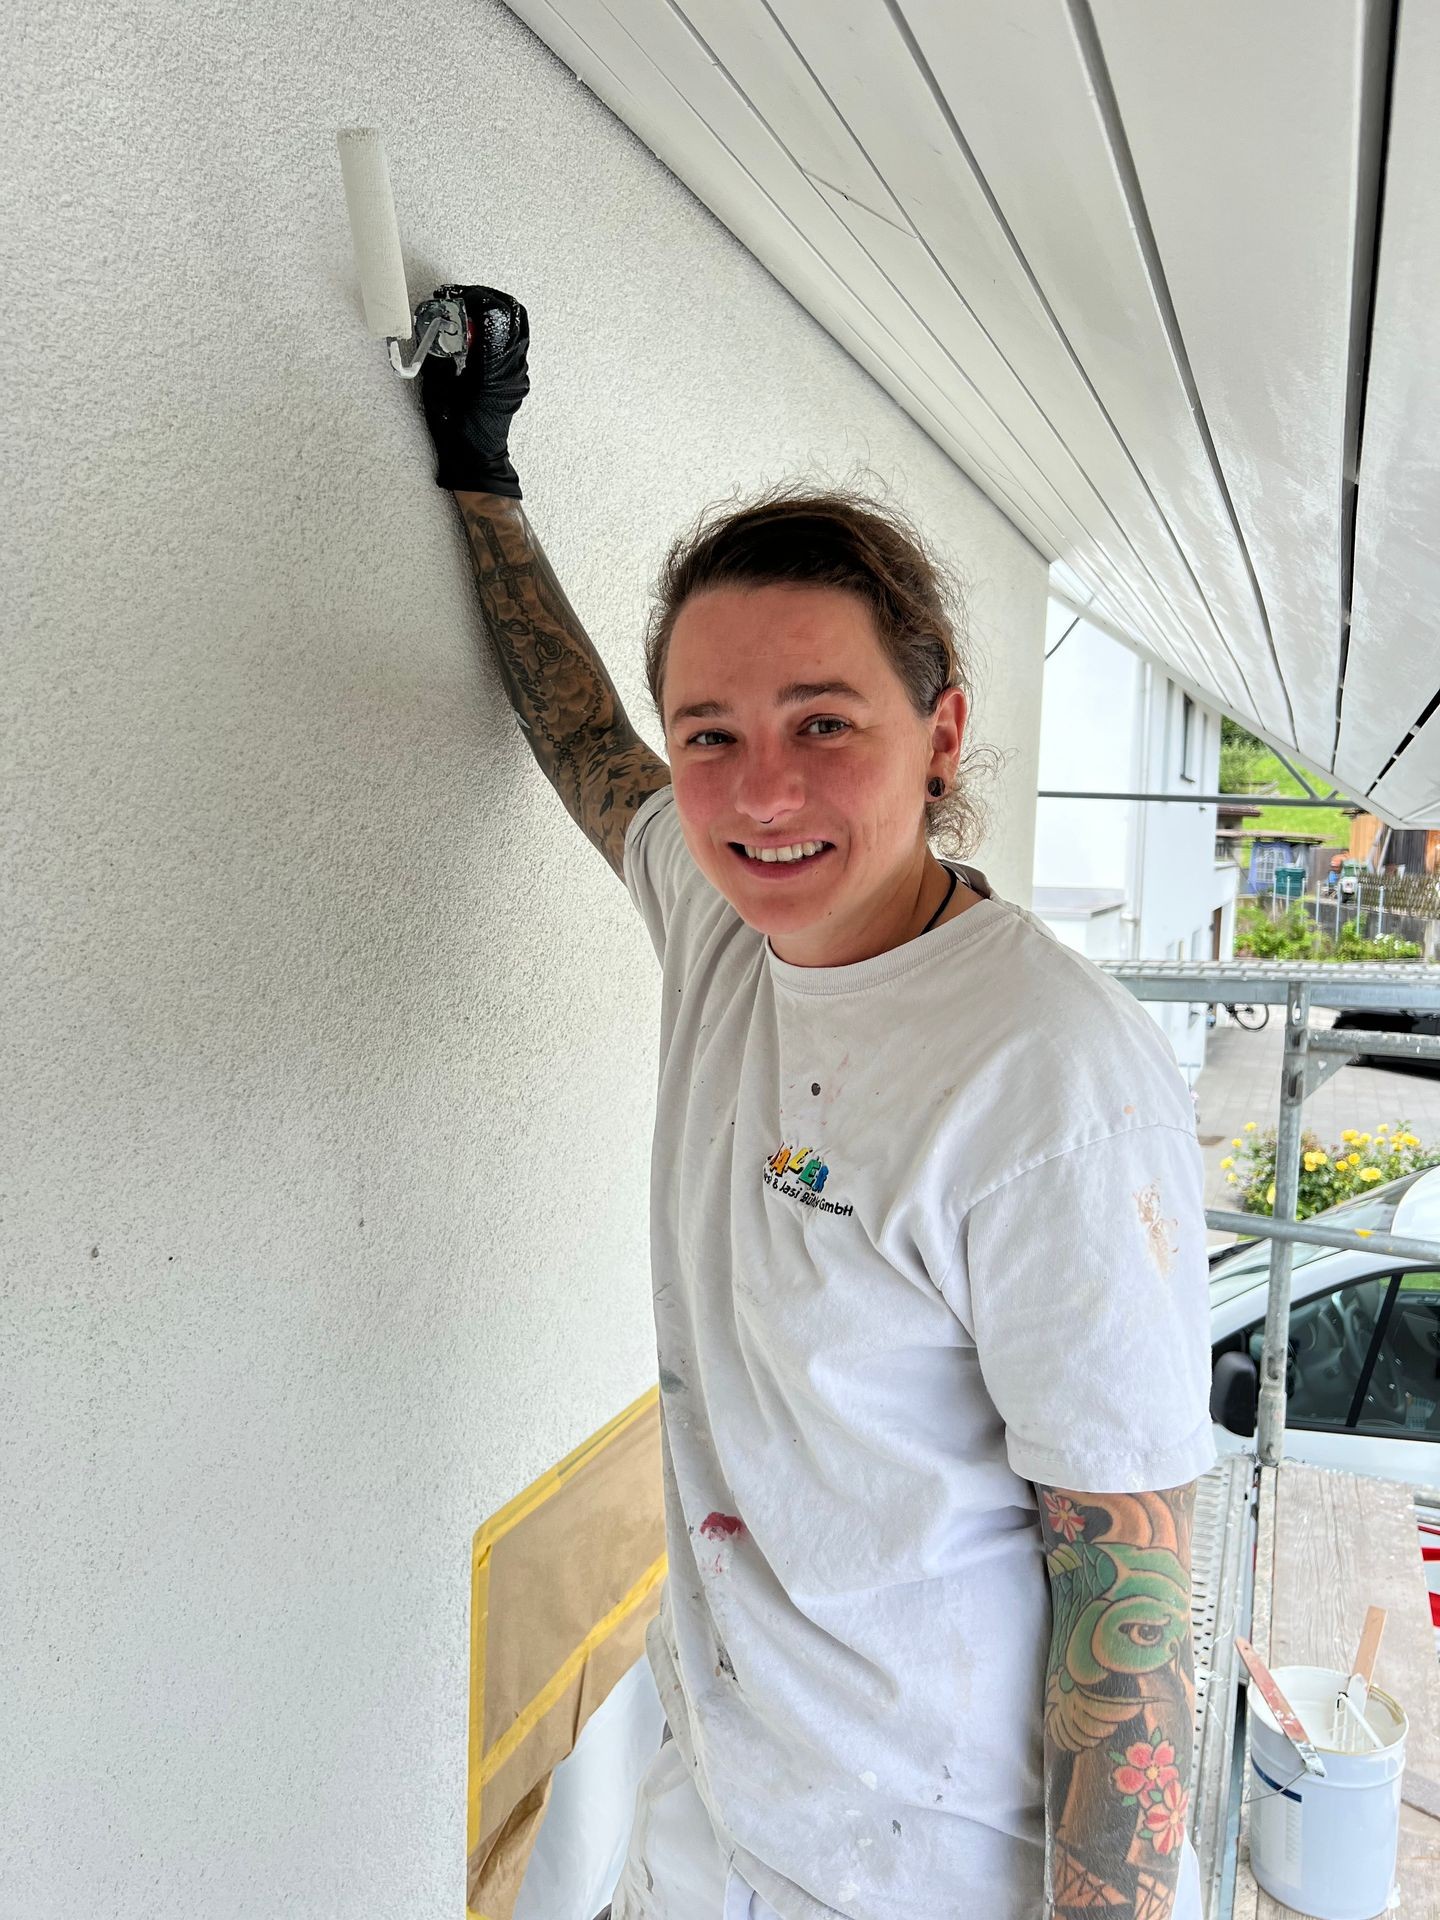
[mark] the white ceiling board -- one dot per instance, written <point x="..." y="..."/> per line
<point x="1017" y="85"/>
<point x="1409" y="794"/>
<point x="1090" y="529"/>
<point x="1245" y="126"/>
<point x="859" y="147"/>
<point x="1393" y="669"/>
<point x="677" y="100"/>
<point x="915" y="288"/>
<point x="1114" y="257"/>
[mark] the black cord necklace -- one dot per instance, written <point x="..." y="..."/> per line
<point x="942" y="906"/>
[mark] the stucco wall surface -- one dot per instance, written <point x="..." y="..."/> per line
<point x="329" y="1043"/>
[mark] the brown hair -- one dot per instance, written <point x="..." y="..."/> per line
<point x="794" y="536"/>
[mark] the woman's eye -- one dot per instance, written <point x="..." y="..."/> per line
<point x="713" y="736"/>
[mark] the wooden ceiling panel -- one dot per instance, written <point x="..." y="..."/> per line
<point x="919" y="211"/>
<point x="1393" y="670"/>
<point x="1021" y="90"/>
<point x="1251" y="130"/>
<point x="1115" y="258"/>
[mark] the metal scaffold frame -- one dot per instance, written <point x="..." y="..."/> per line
<point x="1311" y="1056"/>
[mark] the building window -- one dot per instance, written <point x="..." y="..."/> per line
<point x="1190" y="732"/>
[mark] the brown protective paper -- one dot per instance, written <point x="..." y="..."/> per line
<point x="564" y="1582"/>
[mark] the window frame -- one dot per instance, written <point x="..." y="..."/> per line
<point x="1351" y="1423"/>
<point x="1189" y="713"/>
<point x="1382" y="1329"/>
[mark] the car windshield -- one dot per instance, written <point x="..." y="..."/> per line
<point x="1374" y="1210"/>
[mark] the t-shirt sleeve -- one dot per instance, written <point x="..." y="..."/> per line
<point x="1085" y="1285"/>
<point x="657" y="866"/>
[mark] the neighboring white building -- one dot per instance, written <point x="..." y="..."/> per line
<point x="1129" y="879"/>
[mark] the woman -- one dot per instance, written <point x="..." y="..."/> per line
<point x="927" y="1247"/>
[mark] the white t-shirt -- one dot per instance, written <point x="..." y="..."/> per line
<point x="925" y="1229"/>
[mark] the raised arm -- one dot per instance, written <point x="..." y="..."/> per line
<point x="1119" y="1700"/>
<point x="563" y="698"/>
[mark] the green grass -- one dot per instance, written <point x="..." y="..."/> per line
<point x="1265" y="770"/>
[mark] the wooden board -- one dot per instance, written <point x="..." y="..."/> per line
<point x="1066" y="197"/>
<point x="656" y="77"/>
<point x="642" y="59"/>
<point x="1410" y="792"/>
<point x="882" y="157"/>
<point x="1114" y="259"/>
<point x="1330" y="1545"/>
<point x="1247" y="131"/>
<point x="1394" y="662"/>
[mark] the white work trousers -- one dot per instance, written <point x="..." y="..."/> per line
<point x="675" y="1867"/>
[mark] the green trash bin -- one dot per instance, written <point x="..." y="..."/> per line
<point x="1290" y="882"/>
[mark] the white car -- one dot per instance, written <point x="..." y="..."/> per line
<point x="1364" y="1374"/>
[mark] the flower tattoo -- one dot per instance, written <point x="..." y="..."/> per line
<point x="1146" y="1777"/>
<point x="1144" y="1768"/>
<point x="1064" y="1516"/>
<point x="1164" y="1824"/>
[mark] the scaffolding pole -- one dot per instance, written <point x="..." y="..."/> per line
<point x="1309" y="1060"/>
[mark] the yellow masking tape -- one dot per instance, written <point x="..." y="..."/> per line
<point x="482" y="1767"/>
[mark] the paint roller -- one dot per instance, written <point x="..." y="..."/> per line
<point x="439" y="325"/>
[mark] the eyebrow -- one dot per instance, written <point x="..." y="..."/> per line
<point x="793" y="695"/>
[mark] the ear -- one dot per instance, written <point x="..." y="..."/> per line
<point x="947" y="733"/>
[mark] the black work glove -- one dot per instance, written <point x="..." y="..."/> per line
<point x="469" y="413"/>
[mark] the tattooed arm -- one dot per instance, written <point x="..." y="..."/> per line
<point x="563" y="698"/>
<point x="1119" y="1700"/>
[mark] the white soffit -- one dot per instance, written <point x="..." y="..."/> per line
<point x="1163" y="280"/>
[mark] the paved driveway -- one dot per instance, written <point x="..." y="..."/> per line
<point x="1241" y="1082"/>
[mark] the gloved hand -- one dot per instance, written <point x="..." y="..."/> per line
<point x="469" y="413"/>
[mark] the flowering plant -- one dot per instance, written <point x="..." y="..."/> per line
<point x="1327" y="1174"/>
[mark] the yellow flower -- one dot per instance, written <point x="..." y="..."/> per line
<point x="1249" y="1126"/>
<point x="1236" y="1141"/>
<point x="1407" y="1140"/>
<point x="1382" y="1128"/>
<point x="1228" y="1161"/>
<point x="1315" y="1159"/>
<point x="1369" y="1173"/>
<point x="1270" y="1194"/>
<point x="1349" y="1134"/>
<point x="1230" y="1180"/>
<point x="1364" y="1139"/>
<point x="1354" y="1160"/>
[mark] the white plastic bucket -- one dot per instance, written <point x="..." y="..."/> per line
<point x="1325" y="1847"/>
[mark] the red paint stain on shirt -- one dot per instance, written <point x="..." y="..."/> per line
<point x="721" y="1526"/>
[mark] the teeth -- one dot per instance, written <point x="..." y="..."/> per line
<point x="798" y="852"/>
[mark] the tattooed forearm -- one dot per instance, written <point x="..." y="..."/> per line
<point x="1119" y="1700"/>
<point x="563" y="698"/>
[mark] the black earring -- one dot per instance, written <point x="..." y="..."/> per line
<point x="936" y="787"/>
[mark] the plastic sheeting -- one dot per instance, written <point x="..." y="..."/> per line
<point x="580" y="1848"/>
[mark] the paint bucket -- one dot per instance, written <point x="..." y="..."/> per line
<point x="1325" y="1847"/>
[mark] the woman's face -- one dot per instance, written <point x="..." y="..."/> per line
<point x="804" y="734"/>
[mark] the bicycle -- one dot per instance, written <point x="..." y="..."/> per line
<point x="1251" y="1018"/>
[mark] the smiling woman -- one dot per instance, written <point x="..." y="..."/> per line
<point x="887" y="1100"/>
<point x="824" y="644"/>
<point x="795" y="536"/>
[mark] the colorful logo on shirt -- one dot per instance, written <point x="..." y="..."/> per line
<point x="800" y="1174"/>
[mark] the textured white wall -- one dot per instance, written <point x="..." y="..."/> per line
<point x="329" y="1040"/>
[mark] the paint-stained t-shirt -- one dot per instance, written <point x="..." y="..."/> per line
<point x="926" y="1229"/>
